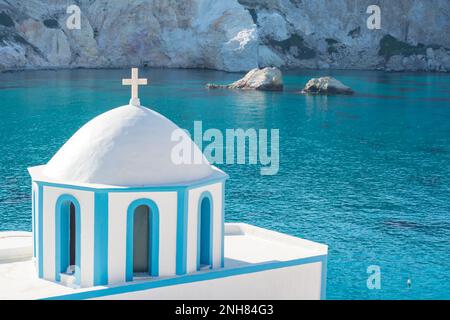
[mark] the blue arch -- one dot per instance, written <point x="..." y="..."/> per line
<point x="205" y="220"/>
<point x="153" y="235"/>
<point x="62" y="214"/>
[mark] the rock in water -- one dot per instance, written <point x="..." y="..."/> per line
<point x="267" y="79"/>
<point x="216" y="86"/>
<point x="326" y="85"/>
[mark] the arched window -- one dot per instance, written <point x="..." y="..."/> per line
<point x="68" y="241"/>
<point x="205" y="232"/>
<point x="142" y="239"/>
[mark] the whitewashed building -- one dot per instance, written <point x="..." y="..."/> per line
<point x="115" y="215"/>
<point x="101" y="203"/>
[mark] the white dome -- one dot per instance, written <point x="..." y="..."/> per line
<point x="126" y="146"/>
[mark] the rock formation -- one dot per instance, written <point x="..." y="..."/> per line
<point x="326" y="85"/>
<point x="267" y="79"/>
<point x="231" y="35"/>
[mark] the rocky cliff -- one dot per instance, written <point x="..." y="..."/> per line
<point x="231" y="35"/>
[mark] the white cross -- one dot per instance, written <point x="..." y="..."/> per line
<point x="134" y="82"/>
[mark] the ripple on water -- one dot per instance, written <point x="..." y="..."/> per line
<point x="368" y="175"/>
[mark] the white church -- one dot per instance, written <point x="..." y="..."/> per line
<point x="114" y="217"/>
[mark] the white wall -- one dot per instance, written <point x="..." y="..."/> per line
<point x="301" y="282"/>
<point x="34" y="221"/>
<point x="117" y="224"/>
<point x="118" y="203"/>
<point x="86" y="200"/>
<point x="193" y="203"/>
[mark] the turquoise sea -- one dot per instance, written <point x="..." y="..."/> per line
<point x="369" y="174"/>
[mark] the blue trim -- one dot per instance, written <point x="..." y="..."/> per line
<point x="222" y="250"/>
<point x="40" y="233"/>
<point x="101" y="239"/>
<point x="182" y="207"/>
<point x="323" y="289"/>
<point x="62" y="218"/>
<point x="175" y="187"/>
<point x="153" y="237"/>
<point x="200" y="240"/>
<point x="33" y="217"/>
<point x="182" y="220"/>
<point x="202" y="276"/>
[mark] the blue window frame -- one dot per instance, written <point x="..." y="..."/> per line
<point x="153" y="237"/>
<point x="205" y="231"/>
<point x="64" y="234"/>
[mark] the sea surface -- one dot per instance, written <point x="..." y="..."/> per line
<point x="368" y="175"/>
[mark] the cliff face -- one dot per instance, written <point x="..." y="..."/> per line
<point x="231" y="35"/>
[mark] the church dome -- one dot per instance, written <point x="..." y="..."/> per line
<point x="127" y="146"/>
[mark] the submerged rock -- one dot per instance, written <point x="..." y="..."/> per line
<point x="267" y="79"/>
<point x="326" y="85"/>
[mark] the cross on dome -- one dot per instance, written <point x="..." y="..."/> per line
<point x="134" y="82"/>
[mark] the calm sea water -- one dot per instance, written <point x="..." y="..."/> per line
<point x="369" y="175"/>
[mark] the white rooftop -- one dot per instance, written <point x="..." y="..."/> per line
<point x="245" y="245"/>
<point x="128" y="146"/>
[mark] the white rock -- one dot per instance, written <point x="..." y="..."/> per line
<point x="12" y="56"/>
<point x="52" y="42"/>
<point x="267" y="57"/>
<point x="326" y="85"/>
<point x="272" y="26"/>
<point x="83" y="46"/>
<point x="225" y="37"/>
<point x="192" y="33"/>
<point x="267" y="79"/>
<point x="219" y="34"/>
<point x="241" y="52"/>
